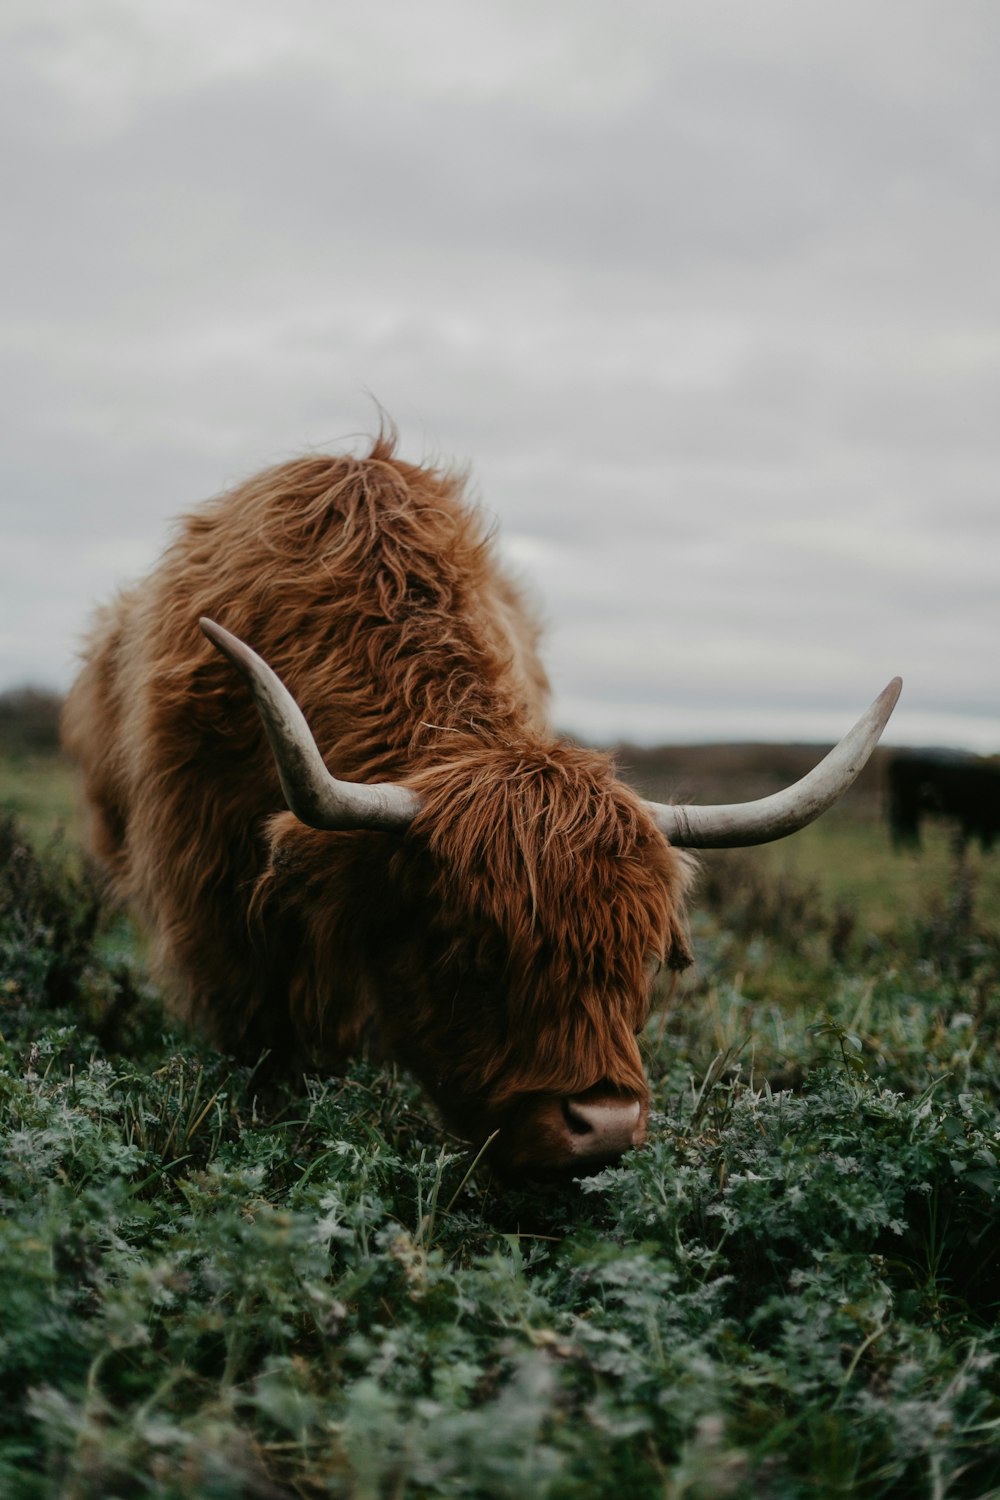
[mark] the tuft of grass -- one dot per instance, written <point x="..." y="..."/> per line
<point x="218" y="1285"/>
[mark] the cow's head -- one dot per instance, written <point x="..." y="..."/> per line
<point x="534" y="898"/>
<point x="538" y="901"/>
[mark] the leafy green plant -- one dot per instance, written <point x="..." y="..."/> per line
<point x="215" y="1285"/>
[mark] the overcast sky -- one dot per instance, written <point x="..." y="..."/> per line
<point x="707" y="295"/>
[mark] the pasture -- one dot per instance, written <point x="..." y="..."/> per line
<point x="219" y="1284"/>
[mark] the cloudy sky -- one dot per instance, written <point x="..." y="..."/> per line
<point x="706" y="294"/>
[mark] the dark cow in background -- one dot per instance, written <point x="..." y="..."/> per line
<point x="946" y="784"/>
<point x="445" y="879"/>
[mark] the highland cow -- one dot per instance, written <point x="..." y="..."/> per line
<point x="964" y="789"/>
<point x="466" y="892"/>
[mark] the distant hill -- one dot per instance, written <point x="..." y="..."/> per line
<point x="738" y="773"/>
<point x="29" y="721"/>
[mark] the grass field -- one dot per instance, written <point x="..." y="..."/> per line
<point x="213" y="1287"/>
<point x="41" y="792"/>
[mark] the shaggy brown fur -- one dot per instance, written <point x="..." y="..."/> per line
<point x="502" y="946"/>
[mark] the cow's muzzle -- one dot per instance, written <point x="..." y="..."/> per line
<point x="549" y="1137"/>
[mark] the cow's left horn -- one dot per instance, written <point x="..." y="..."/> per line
<point x="736" y="824"/>
<point x="313" y="795"/>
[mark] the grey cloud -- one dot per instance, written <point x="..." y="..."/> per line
<point x="707" y="298"/>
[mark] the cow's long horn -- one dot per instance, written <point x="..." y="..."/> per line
<point x="734" y="825"/>
<point x="313" y="795"/>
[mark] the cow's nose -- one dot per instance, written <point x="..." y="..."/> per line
<point x="600" y="1126"/>
<point x="552" y="1137"/>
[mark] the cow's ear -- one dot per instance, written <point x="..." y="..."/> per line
<point x="294" y="852"/>
<point x="284" y="833"/>
<point x="679" y="954"/>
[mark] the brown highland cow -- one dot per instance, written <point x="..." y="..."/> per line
<point x="478" y="898"/>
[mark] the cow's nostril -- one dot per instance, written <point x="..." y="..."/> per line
<point x="603" y="1124"/>
<point x="575" y="1118"/>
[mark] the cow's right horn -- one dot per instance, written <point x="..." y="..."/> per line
<point x="319" y="799"/>
<point x="736" y="824"/>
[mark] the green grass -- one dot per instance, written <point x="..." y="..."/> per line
<point x="851" y="859"/>
<point x="217" y="1286"/>
<point x="41" y="792"/>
